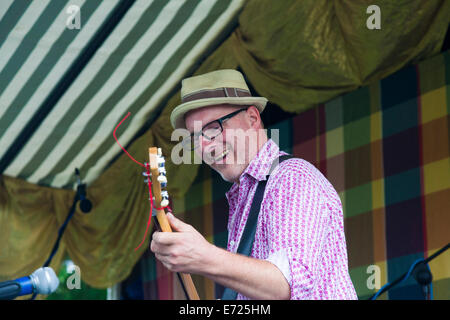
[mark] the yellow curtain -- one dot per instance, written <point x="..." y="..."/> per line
<point x="302" y="53"/>
<point x="295" y="53"/>
<point x="28" y="226"/>
<point x="102" y="242"/>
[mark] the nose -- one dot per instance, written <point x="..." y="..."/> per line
<point x="211" y="146"/>
<point x="207" y="144"/>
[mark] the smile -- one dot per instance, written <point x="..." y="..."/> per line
<point x="221" y="156"/>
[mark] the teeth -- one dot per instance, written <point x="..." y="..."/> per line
<point x="220" y="156"/>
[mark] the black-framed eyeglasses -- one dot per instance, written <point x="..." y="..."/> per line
<point x="210" y="131"/>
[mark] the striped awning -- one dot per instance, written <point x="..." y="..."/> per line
<point x="64" y="89"/>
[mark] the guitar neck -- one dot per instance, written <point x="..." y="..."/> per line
<point x="186" y="278"/>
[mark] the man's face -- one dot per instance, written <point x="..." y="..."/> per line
<point x="230" y="152"/>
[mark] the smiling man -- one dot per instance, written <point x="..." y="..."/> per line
<point x="298" y="250"/>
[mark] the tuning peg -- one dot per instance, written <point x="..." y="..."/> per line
<point x="145" y="174"/>
<point x="162" y="179"/>
<point x="159" y="152"/>
<point x="162" y="171"/>
<point x="165" y="198"/>
<point x="161" y="163"/>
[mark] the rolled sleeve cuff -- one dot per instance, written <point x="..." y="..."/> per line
<point x="300" y="279"/>
<point x="281" y="260"/>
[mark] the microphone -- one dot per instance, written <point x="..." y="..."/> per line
<point x="42" y="281"/>
<point x="85" y="203"/>
<point x="423" y="277"/>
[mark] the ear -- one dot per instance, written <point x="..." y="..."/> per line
<point x="255" y="117"/>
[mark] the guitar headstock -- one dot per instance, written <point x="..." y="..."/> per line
<point x="158" y="176"/>
<point x="159" y="199"/>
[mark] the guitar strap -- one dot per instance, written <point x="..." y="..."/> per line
<point x="248" y="236"/>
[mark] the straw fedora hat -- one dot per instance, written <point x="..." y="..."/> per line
<point x="213" y="88"/>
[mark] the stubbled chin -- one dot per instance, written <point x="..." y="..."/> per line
<point x="225" y="178"/>
<point x="229" y="174"/>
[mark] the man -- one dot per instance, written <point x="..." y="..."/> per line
<point x="299" y="249"/>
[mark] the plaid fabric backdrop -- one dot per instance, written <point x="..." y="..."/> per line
<point x="385" y="148"/>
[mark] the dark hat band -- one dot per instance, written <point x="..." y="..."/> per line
<point x="215" y="93"/>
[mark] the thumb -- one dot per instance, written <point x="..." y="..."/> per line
<point x="176" y="223"/>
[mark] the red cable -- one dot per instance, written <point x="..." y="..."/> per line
<point x="149" y="183"/>
<point x="114" y="134"/>
<point x="151" y="207"/>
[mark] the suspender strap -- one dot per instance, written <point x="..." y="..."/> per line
<point x="248" y="236"/>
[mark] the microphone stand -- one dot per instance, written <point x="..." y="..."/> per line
<point x="79" y="196"/>
<point x="424" y="280"/>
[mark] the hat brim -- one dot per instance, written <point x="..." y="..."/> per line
<point x="177" y="116"/>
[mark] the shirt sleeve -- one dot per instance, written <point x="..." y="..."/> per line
<point x="297" y="223"/>
<point x="281" y="261"/>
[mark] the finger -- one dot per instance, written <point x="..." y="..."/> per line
<point x="168" y="263"/>
<point x="160" y="248"/>
<point x="165" y="238"/>
<point x="161" y="257"/>
<point x="154" y="247"/>
<point x="177" y="224"/>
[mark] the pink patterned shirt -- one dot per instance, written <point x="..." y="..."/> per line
<point x="300" y="225"/>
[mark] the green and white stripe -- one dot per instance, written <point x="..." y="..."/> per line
<point x="141" y="61"/>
